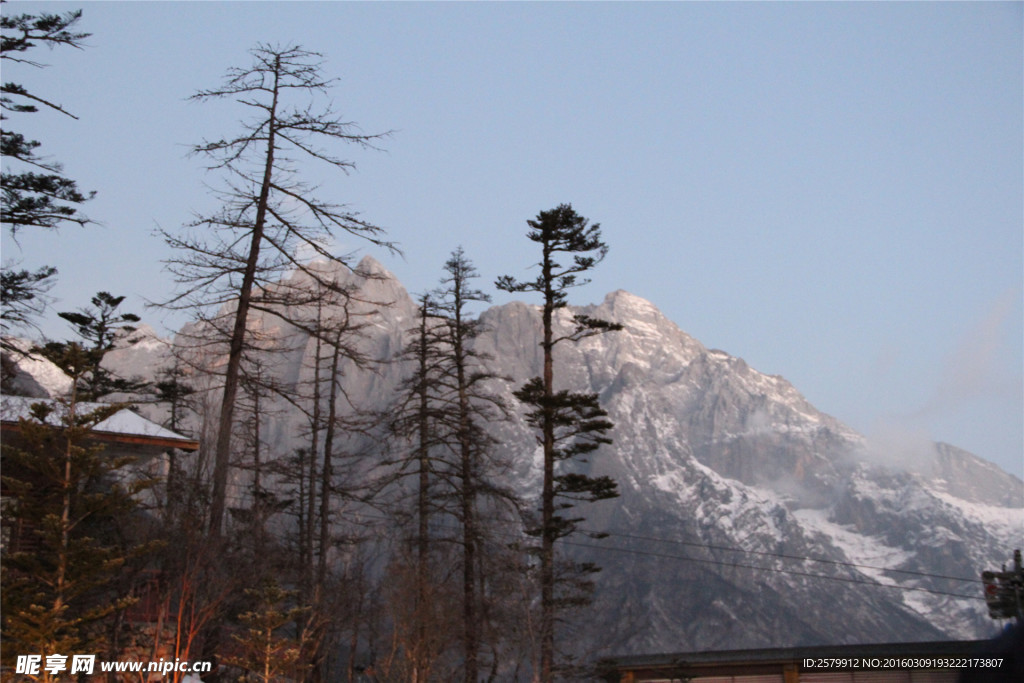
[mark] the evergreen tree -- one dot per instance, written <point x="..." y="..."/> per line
<point x="268" y="652"/>
<point x="63" y="576"/>
<point x="23" y="296"/>
<point x="173" y="389"/>
<point x="35" y="191"/>
<point x="571" y="425"/>
<point x="99" y="327"/>
<point x="267" y="215"/>
<point x="32" y="199"/>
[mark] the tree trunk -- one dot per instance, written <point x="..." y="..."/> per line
<point x="222" y="452"/>
<point x="326" y="476"/>
<point x="468" y="495"/>
<point x="547" y="553"/>
<point x="314" y="450"/>
<point x="423" y="508"/>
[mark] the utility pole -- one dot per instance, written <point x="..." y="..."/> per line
<point x="1004" y="591"/>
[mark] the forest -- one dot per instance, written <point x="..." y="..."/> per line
<point x="405" y="558"/>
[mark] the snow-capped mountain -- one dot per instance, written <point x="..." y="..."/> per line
<point x="729" y="478"/>
<point x="747" y="518"/>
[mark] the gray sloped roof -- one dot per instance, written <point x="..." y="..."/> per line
<point x="124" y="422"/>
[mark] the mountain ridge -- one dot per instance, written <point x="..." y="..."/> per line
<point x="777" y="523"/>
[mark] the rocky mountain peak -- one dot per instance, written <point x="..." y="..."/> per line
<point x="741" y="502"/>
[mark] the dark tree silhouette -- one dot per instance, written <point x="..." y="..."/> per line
<point x="571" y="425"/>
<point x="98" y="327"/>
<point x="41" y="198"/>
<point x="35" y="191"/>
<point x="445" y="408"/>
<point x="268" y="215"/>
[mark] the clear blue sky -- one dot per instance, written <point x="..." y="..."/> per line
<point x="830" y="191"/>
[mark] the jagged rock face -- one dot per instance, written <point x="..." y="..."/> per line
<point x="728" y="477"/>
<point x="714" y="455"/>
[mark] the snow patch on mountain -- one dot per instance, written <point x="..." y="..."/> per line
<point x="1005" y="523"/>
<point x="872" y="555"/>
<point x="30" y="374"/>
<point x="731" y="467"/>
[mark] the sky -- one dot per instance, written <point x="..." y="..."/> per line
<point x="833" y="192"/>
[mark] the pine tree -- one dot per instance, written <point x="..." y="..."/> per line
<point x="173" y="389"/>
<point x="268" y="214"/>
<point x="268" y="652"/>
<point x="66" y="496"/>
<point x="571" y="425"/>
<point x="31" y="199"/>
<point x="23" y="296"/>
<point x="99" y="327"/>
<point x="35" y="191"/>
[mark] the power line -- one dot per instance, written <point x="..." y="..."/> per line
<point x="839" y="563"/>
<point x="793" y="572"/>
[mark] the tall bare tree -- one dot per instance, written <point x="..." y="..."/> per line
<point x="471" y="407"/>
<point x="331" y="470"/>
<point x="415" y="419"/>
<point x="445" y="409"/>
<point x="268" y="216"/>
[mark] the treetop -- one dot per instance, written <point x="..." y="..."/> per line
<point x="560" y="230"/>
<point x="23" y="31"/>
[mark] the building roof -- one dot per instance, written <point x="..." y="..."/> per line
<point x="124" y="426"/>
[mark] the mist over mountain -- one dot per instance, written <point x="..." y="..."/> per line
<point x="732" y="469"/>
<point x="747" y="518"/>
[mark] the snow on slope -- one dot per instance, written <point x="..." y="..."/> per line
<point x="737" y="473"/>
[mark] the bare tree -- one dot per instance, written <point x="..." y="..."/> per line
<point x="267" y="215"/>
<point x="471" y="407"/>
<point x="331" y="471"/>
<point x="414" y="420"/>
<point x="444" y="410"/>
